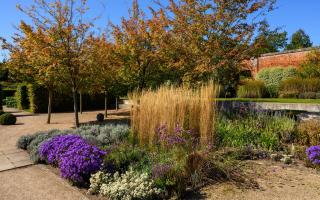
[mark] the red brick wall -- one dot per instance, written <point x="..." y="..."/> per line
<point x="286" y="59"/>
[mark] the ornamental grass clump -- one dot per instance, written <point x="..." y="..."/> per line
<point x="193" y="109"/>
<point x="76" y="159"/>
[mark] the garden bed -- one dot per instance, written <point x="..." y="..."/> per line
<point x="272" y="100"/>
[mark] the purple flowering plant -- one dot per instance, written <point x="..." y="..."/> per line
<point x="180" y="137"/>
<point x="161" y="170"/>
<point x="313" y="154"/>
<point x="74" y="156"/>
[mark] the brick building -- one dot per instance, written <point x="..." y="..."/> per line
<point x="293" y="58"/>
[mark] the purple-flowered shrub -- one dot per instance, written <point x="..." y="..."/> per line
<point x="75" y="158"/>
<point x="313" y="154"/>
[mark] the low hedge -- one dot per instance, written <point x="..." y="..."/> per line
<point x="21" y="96"/>
<point x="8" y="119"/>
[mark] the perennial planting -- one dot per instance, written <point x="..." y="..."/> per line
<point x="76" y="159"/>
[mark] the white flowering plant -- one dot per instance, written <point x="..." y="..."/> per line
<point x="131" y="185"/>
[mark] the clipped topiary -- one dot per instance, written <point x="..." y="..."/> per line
<point x="8" y="119"/>
<point x="100" y="117"/>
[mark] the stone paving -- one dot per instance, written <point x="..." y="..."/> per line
<point x="13" y="158"/>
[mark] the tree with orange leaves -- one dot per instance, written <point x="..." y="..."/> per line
<point x="54" y="43"/>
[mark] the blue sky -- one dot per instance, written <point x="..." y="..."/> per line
<point x="290" y="15"/>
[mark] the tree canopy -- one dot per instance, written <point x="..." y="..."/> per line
<point x="299" y="40"/>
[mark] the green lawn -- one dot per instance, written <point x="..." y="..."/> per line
<point x="276" y="100"/>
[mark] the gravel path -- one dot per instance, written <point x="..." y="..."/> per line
<point x="37" y="182"/>
<point x="275" y="181"/>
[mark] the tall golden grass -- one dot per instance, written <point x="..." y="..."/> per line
<point x="193" y="109"/>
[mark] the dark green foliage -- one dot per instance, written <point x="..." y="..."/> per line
<point x="124" y="156"/>
<point x="269" y="41"/>
<point x="38" y="97"/>
<point x="21" y="96"/>
<point x="299" y="40"/>
<point x="4" y="72"/>
<point x="10" y="102"/>
<point x="252" y="89"/>
<point x="1" y="112"/>
<point x="272" y="77"/>
<point x="228" y="77"/>
<point x="8" y="92"/>
<point x="318" y="95"/>
<point x="8" y="119"/>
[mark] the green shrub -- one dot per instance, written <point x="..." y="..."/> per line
<point x="8" y="92"/>
<point x="272" y="77"/>
<point x="309" y="133"/>
<point x="259" y="130"/>
<point x="318" y="95"/>
<point x="125" y="156"/>
<point x="252" y="89"/>
<point x="8" y="119"/>
<point x="1" y="112"/>
<point x="22" y="97"/>
<point x="10" y="102"/>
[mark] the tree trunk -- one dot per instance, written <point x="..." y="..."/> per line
<point x="1" y="106"/>
<point x="75" y="107"/>
<point x="105" y="104"/>
<point x="80" y="102"/>
<point x="49" y="106"/>
<point x="116" y="103"/>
